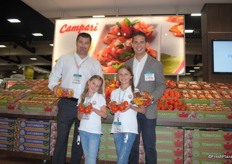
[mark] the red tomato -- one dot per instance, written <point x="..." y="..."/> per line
<point x="90" y="106"/>
<point x="125" y="103"/>
<point x="121" y="107"/>
<point x="87" y="110"/>
<point x="81" y="107"/>
<point x="114" y="108"/>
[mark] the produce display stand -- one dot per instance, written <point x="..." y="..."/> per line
<point x="43" y="158"/>
<point x="19" y="115"/>
<point x="174" y="124"/>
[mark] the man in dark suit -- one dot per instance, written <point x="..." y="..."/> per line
<point x="148" y="76"/>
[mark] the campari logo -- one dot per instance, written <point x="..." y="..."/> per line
<point x="78" y="28"/>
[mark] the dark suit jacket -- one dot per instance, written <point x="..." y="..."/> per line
<point x="156" y="87"/>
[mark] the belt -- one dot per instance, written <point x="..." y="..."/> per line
<point x="71" y="99"/>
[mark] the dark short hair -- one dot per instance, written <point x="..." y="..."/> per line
<point x="139" y="33"/>
<point x="84" y="35"/>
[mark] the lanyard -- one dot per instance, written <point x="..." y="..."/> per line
<point x="79" y="65"/>
<point x="121" y="99"/>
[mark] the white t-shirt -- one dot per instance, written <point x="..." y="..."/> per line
<point x="93" y="124"/>
<point x="128" y="118"/>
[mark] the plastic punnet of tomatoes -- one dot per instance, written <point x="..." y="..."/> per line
<point x="143" y="98"/>
<point x="64" y="92"/>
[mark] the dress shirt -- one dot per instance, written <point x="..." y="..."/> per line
<point x="137" y="68"/>
<point x="66" y="67"/>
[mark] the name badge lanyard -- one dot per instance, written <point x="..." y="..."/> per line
<point x="79" y="65"/>
<point x="120" y="100"/>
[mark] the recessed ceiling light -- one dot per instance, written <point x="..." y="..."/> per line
<point x="37" y="34"/>
<point x="187" y="73"/>
<point x="196" y="67"/>
<point x="2" y="46"/>
<point x="14" y="20"/>
<point x="14" y="72"/>
<point x="51" y="45"/>
<point x="98" y="16"/>
<point x="196" y="14"/>
<point x="191" y="70"/>
<point x="188" y="31"/>
<point x="33" y="58"/>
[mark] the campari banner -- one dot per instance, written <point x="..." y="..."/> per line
<point x="111" y="40"/>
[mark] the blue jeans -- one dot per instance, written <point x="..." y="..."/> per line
<point x="147" y="128"/>
<point x="124" y="143"/>
<point x="90" y="144"/>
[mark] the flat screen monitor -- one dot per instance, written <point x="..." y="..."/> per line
<point x="222" y="56"/>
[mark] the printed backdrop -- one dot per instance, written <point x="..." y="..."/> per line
<point x="111" y="40"/>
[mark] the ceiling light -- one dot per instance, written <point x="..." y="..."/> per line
<point x="14" y="72"/>
<point x="98" y="16"/>
<point x="196" y="14"/>
<point x="188" y="31"/>
<point x="196" y="67"/>
<point x="33" y="58"/>
<point x="191" y="70"/>
<point x="37" y="34"/>
<point x="187" y="73"/>
<point x="51" y="45"/>
<point x="2" y="46"/>
<point x="14" y="20"/>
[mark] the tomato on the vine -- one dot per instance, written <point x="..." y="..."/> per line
<point x="81" y="107"/>
<point x="87" y="110"/>
<point x="114" y="108"/>
<point x="121" y="107"/>
<point x="125" y="103"/>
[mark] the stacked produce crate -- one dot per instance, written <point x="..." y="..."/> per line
<point x="204" y="146"/>
<point x="169" y="145"/>
<point x="53" y="137"/>
<point x="70" y="140"/>
<point x="32" y="136"/>
<point x="7" y="128"/>
<point x="107" y="150"/>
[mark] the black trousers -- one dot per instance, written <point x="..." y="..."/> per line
<point x="67" y="115"/>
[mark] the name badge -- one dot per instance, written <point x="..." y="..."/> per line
<point x="77" y="78"/>
<point x="117" y="126"/>
<point x="149" y="76"/>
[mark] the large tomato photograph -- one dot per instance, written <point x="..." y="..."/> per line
<point x="112" y="40"/>
<point x="115" y="42"/>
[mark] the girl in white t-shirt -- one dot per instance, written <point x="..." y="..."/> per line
<point x="90" y="124"/>
<point x="125" y="126"/>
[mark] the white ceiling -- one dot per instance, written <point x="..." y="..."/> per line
<point x="79" y="8"/>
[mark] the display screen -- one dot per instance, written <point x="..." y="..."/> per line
<point x="222" y="56"/>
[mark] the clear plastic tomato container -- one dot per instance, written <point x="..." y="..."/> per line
<point x="64" y="92"/>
